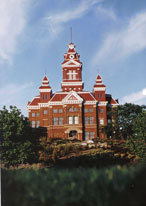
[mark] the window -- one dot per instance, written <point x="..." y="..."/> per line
<point x="91" y="135"/>
<point x="54" y="110"/>
<point x="75" y="109"/>
<point x="46" y="96"/>
<point x="90" y="109"/>
<point x="33" y="114"/>
<point x="33" y="124"/>
<point x="75" y="119"/>
<point x="70" y="109"/>
<point x="55" y="120"/>
<point x="85" y="110"/>
<point x="101" y="121"/>
<point x="60" y="110"/>
<point x="90" y="120"/>
<point x="86" y="135"/>
<point x="60" y="120"/>
<point x="109" y="120"/>
<point x="99" y="95"/>
<point x="86" y="120"/>
<point x="37" y="114"/>
<point x="101" y="110"/>
<point x="45" y="111"/>
<point x="37" y="124"/>
<point x="70" y="120"/>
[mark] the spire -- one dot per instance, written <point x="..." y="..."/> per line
<point x="71" y="34"/>
<point x="98" y="79"/>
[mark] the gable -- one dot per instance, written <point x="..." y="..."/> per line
<point x="72" y="97"/>
<point x="71" y="63"/>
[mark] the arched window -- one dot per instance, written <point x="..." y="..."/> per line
<point x="70" y="109"/>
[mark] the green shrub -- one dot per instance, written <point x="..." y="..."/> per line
<point x="80" y="187"/>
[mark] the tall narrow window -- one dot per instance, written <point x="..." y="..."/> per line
<point x="86" y="135"/>
<point x="37" y="124"/>
<point x="60" y="120"/>
<point x="91" y="134"/>
<point x="75" y="120"/>
<point x="90" y="120"/>
<point x="33" y="124"/>
<point x="70" y="120"/>
<point x="86" y="120"/>
<point x="55" y="120"/>
<point x="37" y="114"/>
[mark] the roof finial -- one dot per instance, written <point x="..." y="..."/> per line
<point x="71" y="33"/>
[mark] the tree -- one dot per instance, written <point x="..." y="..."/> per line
<point x="123" y="118"/>
<point x="136" y="142"/>
<point x="16" y="143"/>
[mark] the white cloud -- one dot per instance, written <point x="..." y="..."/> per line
<point x="125" y="42"/>
<point x="14" y="94"/>
<point x="136" y="98"/>
<point x="56" y="21"/>
<point x="12" y="23"/>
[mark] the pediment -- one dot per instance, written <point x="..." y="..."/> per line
<point x="71" y="63"/>
<point x="72" y="97"/>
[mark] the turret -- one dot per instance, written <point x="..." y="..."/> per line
<point x="45" y="90"/>
<point x="99" y="89"/>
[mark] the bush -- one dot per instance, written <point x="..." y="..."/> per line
<point x="88" y="187"/>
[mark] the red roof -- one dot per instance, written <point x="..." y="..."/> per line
<point x="99" y="85"/>
<point x="99" y="77"/>
<point x="58" y="97"/>
<point x="45" y="87"/>
<point x="87" y="96"/>
<point x="35" y="101"/>
<point x="45" y="78"/>
<point x="113" y="101"/>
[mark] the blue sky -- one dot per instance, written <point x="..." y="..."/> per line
<point x="110" y="36"/>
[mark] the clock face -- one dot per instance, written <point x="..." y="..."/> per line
<point x="71" y="56"/>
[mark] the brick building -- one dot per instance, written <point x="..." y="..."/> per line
<point x="72" y="112"/>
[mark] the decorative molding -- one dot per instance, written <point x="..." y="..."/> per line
<point x="72" y="83"/>
<point x="99" y="88"/>
<point x="45" y="90"/>
<point x="103" y="103"/>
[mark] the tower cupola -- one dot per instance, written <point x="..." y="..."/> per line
<point x="45" y="90"/>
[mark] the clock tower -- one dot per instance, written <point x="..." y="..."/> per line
<point x="72" y="71"/>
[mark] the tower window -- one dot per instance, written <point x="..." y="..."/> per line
<point x="99" y="95"/>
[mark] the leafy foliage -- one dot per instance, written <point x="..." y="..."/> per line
<point x="16" y="143"/>
<point x="104" y="187"/>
